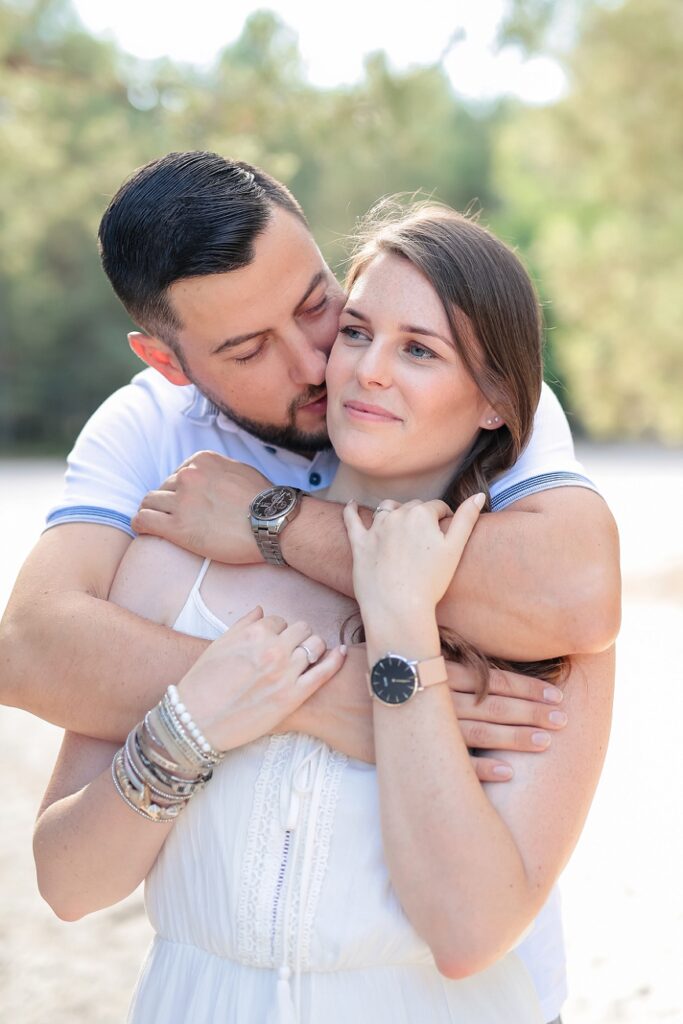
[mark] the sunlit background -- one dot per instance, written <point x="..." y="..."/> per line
<point x="560" y="121"/>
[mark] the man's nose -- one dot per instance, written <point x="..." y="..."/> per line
<point x="307" y="362"/>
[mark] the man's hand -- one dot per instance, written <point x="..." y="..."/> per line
<point x="204" y="507"/>
<point x="517" y="714"/>
<point x="517" y="709"/>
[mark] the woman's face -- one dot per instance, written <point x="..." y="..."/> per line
<point x="400" y="401"/>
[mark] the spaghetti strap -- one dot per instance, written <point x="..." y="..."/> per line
<point x="200" y="577"/>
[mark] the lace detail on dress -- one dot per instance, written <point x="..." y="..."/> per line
<point x="324" y="824"/>
<point x="262" y="857"/>
<point x="287" y="850"/>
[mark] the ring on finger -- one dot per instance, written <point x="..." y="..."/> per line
<point x="380" y="508"/>
<point x="312" y="658"/>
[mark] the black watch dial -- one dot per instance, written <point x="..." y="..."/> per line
<point x="275" y="502"/>
<point x="393" y="679"/>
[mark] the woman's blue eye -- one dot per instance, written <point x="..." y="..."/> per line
<point x="419" y="351"/>
<point x="355" y="333"/>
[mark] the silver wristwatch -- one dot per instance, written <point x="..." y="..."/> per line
<point x="269" y="513"/>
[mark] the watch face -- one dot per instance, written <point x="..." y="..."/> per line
<point x="393" y="679"/>
<point x="275" y="502"/>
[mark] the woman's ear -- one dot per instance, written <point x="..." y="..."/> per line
<point x="490" y="420"/>
<point x="160" y="356"/>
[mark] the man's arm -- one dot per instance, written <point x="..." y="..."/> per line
<point x="71" y="657"/>
<point x="539" y="579"/>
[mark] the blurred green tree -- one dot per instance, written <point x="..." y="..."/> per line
<point x="77" y="116"/>
<point x="598" y="179"/>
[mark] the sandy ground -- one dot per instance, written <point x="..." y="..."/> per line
<point x="622" y="891"/>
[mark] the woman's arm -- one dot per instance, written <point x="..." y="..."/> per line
<point x="471" y="868"/>
<point x="91" y="850"/>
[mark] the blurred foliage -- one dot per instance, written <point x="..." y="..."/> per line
<point x="596" y="183"/>
<point x="588" y="188"/>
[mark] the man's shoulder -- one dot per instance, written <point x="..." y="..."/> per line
<point x="150" y="393"/>
<point x="548" y="461"/>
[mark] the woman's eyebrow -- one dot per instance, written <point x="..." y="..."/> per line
<point x="411" y="329"/>
<point x="355" y="314"/>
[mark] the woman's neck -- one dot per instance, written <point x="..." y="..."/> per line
<point x="370" y="490"/>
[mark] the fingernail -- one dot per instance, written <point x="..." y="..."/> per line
<point x="552" y="694"/>
<point x="540" y="739"/>
<point x="557" y="718"/>
<point x="343" y="648"/>
<point x="502" y="771"/>
<point x="479" y="500"/>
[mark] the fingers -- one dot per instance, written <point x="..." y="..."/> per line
<point x="489" y="770"/>
<point x="462" y="679"/>
<point x="509" y="711"/>
<point x="489" y="736"/>
<point x="353" y="522"/>
<point x="245" y="620"/>
<point x="314" y="677"/>
<point x="309" y="652"/>
<point x="158" y="524"/>
<point x="441" y="509"/>
<point x="464" y="521"/>
<point x="514" y="684"/>
<point x="161" y="500"/>
<point x="275" y="623"/>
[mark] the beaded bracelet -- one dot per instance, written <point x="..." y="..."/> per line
<point x="191" y="726"/>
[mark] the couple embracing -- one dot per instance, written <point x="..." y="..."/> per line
<point x="344" y="700"/>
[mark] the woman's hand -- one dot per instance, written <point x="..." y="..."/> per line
<point x="404" y="561"/>
<point x="254" y="676"/>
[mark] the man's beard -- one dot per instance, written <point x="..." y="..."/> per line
<point x="288" y="436"/>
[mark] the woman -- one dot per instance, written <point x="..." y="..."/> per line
<point x="271" y="892"/>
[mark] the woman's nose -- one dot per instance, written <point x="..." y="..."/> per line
<point x="373" y="368"/>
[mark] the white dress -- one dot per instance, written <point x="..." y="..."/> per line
<point x="272" y="904"/>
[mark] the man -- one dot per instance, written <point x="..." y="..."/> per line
<point x="215" y="261"/>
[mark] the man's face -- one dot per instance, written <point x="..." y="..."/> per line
<point x="255" y="341"/>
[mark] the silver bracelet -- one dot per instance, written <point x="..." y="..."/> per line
<point x="136" y="769"/>
<point x="191" y="726"/>
<point x="136" y="800"/>
<point x="172" y="719"/>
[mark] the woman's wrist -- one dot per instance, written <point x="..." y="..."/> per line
<point x="414" y="638"/>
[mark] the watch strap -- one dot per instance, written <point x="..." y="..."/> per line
<point x="431" y="671"/>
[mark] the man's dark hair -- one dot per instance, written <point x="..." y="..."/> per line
<point x="184" y="215"/>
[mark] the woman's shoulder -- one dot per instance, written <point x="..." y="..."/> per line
<point x="154" y="579"/>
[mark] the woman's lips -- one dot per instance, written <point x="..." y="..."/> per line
<point x="373" y="413"/>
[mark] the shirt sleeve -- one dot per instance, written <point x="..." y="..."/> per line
<point x="548" y="460"/>
<point x="113" y="463"/>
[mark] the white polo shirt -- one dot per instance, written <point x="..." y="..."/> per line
<point x="141" y="434"/>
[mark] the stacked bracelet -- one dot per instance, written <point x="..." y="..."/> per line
<point x="165" y="760"/>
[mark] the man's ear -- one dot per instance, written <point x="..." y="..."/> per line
<point x="157" y="354"/>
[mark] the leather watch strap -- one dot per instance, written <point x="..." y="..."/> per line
<point x="432" y="671"/>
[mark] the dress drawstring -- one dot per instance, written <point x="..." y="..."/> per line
<point x="295" y="786"/>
